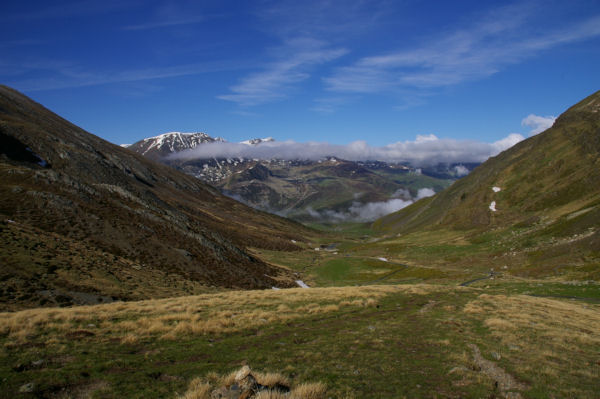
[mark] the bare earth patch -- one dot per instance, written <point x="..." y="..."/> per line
<point x="505" y="382"/>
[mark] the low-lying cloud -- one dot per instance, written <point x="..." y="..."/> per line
<point x="538" y="123"/>
<point x="423" y="151"/>
<point x="371" y="211"/>
<point x="460" y="171"/>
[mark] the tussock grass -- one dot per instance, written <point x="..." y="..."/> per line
<point x="543" y="337"/>
<point x="202" y="388"/>
<point x="203" y="314"/>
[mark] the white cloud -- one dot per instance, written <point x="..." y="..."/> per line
<point x="507" y="142"/>
<point x="370" y="211"/>
<point x="538" y="123"/>
<point x="460" y="171"/>
<point x="425" y="150"/>
<point x="374" y="210"/>
<point x="294" y="62"/>
<point x="424" y="193"/>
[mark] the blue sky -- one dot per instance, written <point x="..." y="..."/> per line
<point x="326" y="71"/>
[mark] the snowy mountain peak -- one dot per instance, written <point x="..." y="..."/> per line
<point x="257" y="141"/>
<point x="168" y="143"/>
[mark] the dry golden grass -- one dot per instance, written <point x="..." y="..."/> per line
<point x="198" y="389"/>
<point x="271" y="379"/>
<point x="202" y="314"/>
<point x="270" y="395"/>
<point x="315" y="390"/>
<point x="202" y="388"/>
<point x="547" y="336"/>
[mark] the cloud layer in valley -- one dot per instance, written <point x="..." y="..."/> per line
<point x="370" y="211"/>
<point x="423" y="151"/>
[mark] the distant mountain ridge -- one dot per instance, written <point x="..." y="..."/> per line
<point x="302" y="189"/>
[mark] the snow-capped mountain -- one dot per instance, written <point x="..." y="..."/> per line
<point x="168" y="143"/>
<point x="257" y="141"/>
<point x="292" y="186"/>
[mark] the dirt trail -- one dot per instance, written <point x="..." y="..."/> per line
<point x="492" y="274"/>
<point x="505" y="382"/>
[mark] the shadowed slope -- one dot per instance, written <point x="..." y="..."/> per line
<point x="56" y="178"/>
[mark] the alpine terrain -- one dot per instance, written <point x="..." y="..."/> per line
<point x="326" y="190"/>
<point x="536" y="205"/>
<point x="83" y="220"/>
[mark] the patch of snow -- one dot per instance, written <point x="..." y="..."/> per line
<point x="496" y="189"/>
<point x="275" y="288"/>
<point x="293" y="241"/>
<point x="383" y="259"/>
<point x="302" y="284"/>
<point x="10" y="221"/>
<point x="493" y="206"/>
<point x="124" y="145"/>
<point x="317" y="249"/>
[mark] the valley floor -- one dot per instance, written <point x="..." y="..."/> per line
<point x="427" y="321"/>
<point x="372" y="341"/>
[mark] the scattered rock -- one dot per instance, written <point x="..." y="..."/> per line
<point x="458" y="369"/>
<point x="27" y="388"/>
<point x="246" y="387"/>
<point x="427" y="306"/>
<point x="242" y="373"/>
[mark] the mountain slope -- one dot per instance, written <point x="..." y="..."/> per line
<point x="162" y="145"/>
<point x="145" y="229"/>
<point x="545" y="189"/>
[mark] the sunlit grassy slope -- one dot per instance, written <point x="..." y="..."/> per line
<point x="377" y="341"/>
<point x="546" y="195"/>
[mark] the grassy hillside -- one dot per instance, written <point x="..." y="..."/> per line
<point x="547" y="207"/>
<point x="84" y="220"/>
<point x="380" y="341"/>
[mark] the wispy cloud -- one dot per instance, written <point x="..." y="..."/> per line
<point x="538" y="123"/>
<point x="474" y="52"/>
<point x="73" y="9"/>
<point x="424" y="150"/>
<point x="293" y="65"/>
<point x="323" y="19"/>
<point x="21" y="42"/>
<point x="62" y="75"/>
<point x="328" y="105"/>
<point x="165" y="24"/>
<point x="311" y="33"/>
